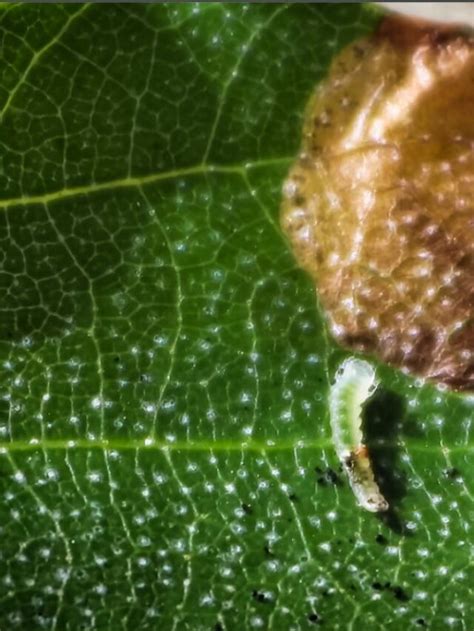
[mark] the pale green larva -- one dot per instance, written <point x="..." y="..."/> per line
<point x="355" y="383"/>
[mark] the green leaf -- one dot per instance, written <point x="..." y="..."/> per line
<point x="166" y="459"/>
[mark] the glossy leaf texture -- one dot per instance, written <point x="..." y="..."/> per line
<point x="166" y="459"/>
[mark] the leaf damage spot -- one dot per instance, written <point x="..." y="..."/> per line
<point x="378" y="206"/>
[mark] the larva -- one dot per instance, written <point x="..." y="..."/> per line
<point x="355" y="383"/>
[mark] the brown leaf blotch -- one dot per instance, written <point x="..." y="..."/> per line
<point x="379" y="206"/>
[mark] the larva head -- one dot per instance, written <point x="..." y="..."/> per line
<point x="380" y="205"/>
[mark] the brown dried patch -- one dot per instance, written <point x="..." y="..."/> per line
<point x="380" y="204"/>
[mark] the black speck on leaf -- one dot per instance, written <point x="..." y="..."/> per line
<point x="314" y="618"/>
<point x="452" y="473"/>
<point x="400" y="594"/>
<point x="260" y="597"/>
<point x="328" y="477"/>
<point x="381" y="540"/>
<point x="248" y="510"/>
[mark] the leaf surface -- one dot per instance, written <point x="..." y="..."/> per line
<point x="166" y="459"/>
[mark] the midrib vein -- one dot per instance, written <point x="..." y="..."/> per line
<point x="136" y="182"/>
<point x="148" y="444"/>
<point x="127" y="444"/>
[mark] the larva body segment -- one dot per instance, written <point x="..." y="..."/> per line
<point x="355" y="383"/>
